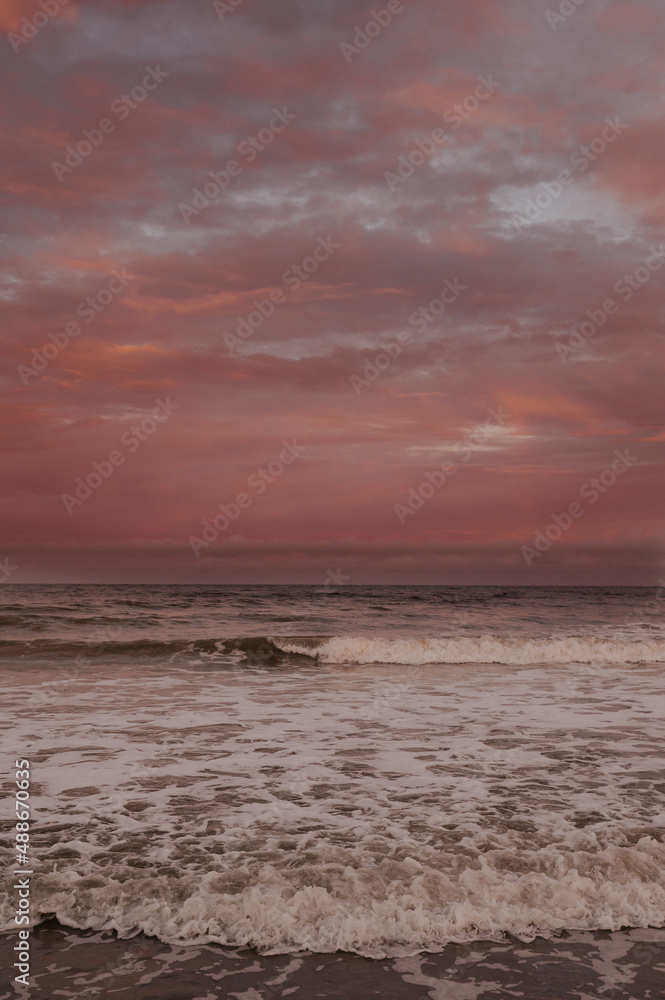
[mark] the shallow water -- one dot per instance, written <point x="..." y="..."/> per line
<point x="288" y="793"/>
<point x="78" y="965"/>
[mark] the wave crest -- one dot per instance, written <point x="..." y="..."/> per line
<point x="483" y="649"/>
<point x="398" y="908"/>
<point x="361" y="649"/>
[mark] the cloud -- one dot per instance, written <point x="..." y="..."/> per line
<point x="323" y="176"/>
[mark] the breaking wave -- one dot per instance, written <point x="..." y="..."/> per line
<point x="360" y="649"/>
<point x="398" y="907"/>
<point x="483" y="649"/>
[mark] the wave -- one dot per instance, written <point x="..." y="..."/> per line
<point x="483" y="649"/>
<point x="360" y="649"/>
<point x="21" y="621"/>
<point x="398" y="907"/>
<point x="67" y="649"/>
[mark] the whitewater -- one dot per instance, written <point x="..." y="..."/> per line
<point x="279" y="768"/>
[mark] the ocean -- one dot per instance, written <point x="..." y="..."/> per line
<point x="352" y="778"/>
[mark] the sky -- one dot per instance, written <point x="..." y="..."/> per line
<point x="330" y="291"/>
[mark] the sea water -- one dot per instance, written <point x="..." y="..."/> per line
<point x="380" y="770"/>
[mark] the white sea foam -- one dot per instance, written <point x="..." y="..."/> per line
<point x="395" y="908"/>
<point x="484" y="649"/>
<point x="373" y="809"/>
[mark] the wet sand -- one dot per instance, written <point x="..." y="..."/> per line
<point x="67" y="964"/>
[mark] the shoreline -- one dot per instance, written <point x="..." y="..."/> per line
<point x="583" y="965"/>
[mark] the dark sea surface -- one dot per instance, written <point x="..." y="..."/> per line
<point x="409" y="775"/>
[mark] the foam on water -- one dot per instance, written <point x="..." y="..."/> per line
<point x="359" y="649"/>
<point x="483" y="649"/>
<point x="379" y="810"/>
<point x="420" y="765"/>
<point x="335" y="903"/>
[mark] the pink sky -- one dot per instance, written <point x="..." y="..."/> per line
<point x="330" y="124"/>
